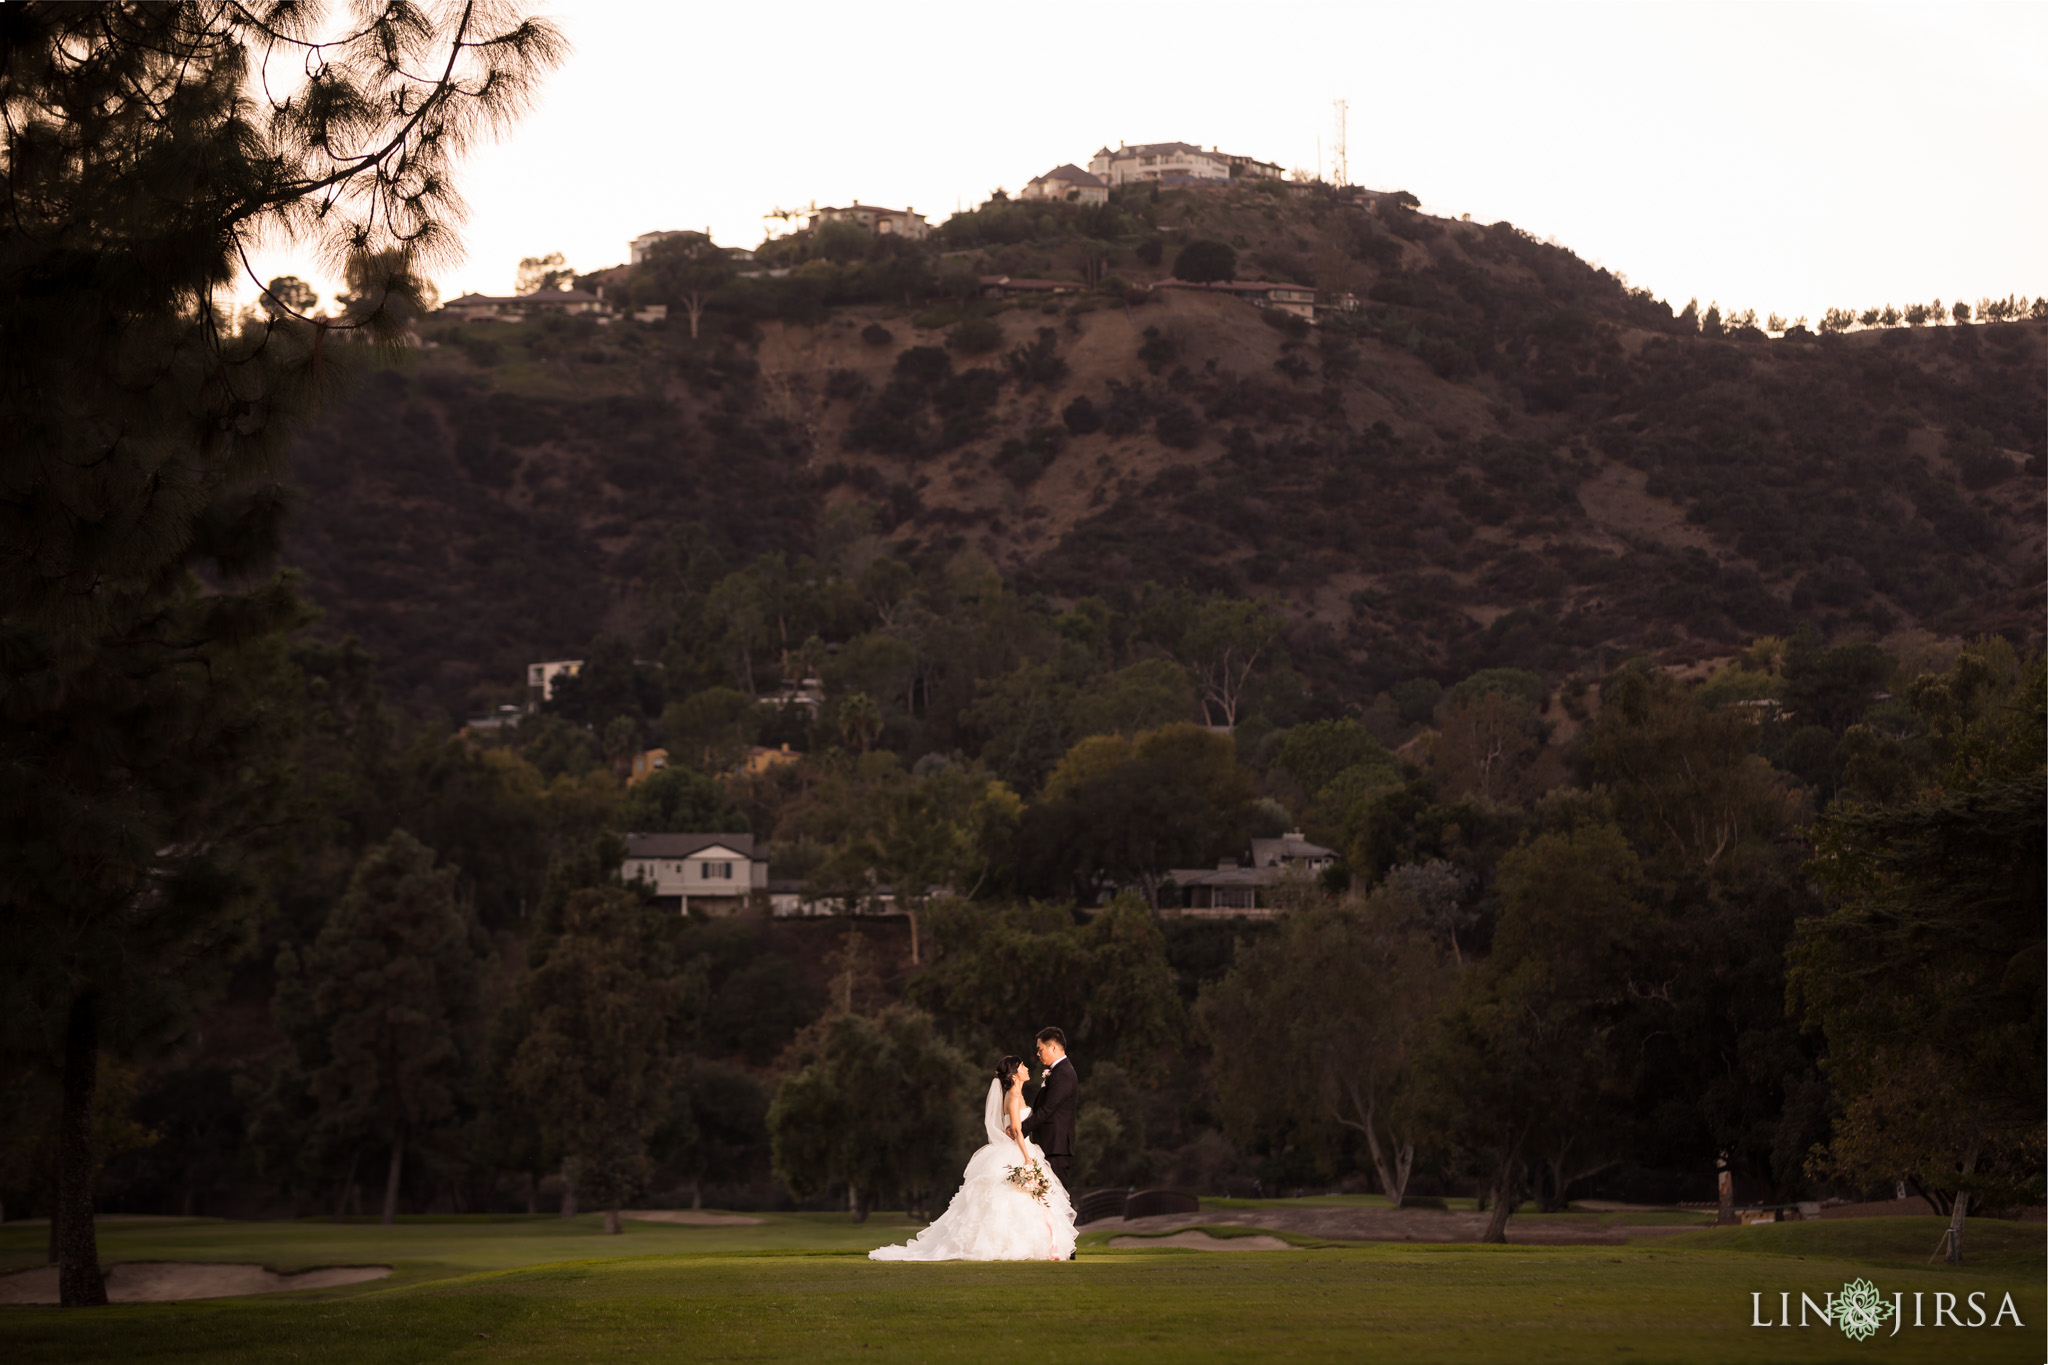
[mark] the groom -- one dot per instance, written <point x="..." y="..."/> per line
<point x="1051" y="1124"/>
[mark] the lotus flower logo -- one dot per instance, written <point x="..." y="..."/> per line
<point x="1859" y="1311"/>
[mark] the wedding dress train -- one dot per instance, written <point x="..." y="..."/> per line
<point x="990" y="1219"/>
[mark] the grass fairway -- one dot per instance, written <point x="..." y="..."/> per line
<point x="792" y="1290"/>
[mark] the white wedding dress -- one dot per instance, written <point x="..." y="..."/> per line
<point x="991" y="1219"/>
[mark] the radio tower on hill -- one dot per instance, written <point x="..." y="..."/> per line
<point x="1341" y="170"/>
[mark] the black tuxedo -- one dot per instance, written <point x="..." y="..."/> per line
<point x="1051" y="1124"/>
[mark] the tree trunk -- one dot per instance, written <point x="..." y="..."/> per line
<point x="532" y="1193"/>
<point x="913" y="936"/>
<point x="860" y="1204"/>
<point x="568" y="1200"/>
<point x="612" y="1226"/>
<point x="1503" y="1201"/>
<point x="391" y="1179"/>
<point x="348" y="1184"/>
<point x="1953" y="1238"/>
<point x="696" y="1191"/>
<point x="1394" y="1177"/>
<point x="79" y="1282"/>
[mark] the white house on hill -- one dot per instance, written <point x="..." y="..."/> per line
<point x="1069" y="183"/>
<point x="711" y="873"/>
<point x="882" y="222"/>
<point x="1174" y="161"/>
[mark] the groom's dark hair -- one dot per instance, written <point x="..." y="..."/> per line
<point x="1053" y="1035"/>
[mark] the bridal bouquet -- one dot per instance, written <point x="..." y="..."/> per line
<point x="1031" y="1179"/>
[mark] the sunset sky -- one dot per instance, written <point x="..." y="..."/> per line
<point x="1778" y="157"/>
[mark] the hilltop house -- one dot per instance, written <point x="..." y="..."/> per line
<point x="519" y="307"/>
<point x="714" y="874"/>
<point x="647" y="241"/>
<point x="882" y="222"/>
<point x="1069" y="183"/>
<point x="1177" y="162"/>
<point x="643" y="245"/>
<point x="1298" y="299"/>
<point x="1231" y="888"/>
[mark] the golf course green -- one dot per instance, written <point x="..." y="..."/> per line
<point x="797" y="1287"/>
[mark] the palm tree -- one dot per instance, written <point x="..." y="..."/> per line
<point x="860" y="720"/>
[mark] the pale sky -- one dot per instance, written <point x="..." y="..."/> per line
<point x="1781" y="157"/>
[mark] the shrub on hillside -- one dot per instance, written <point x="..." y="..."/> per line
<point x="976" y="336"/>
<point x="1205" y="262"/>
<point x="1038" y="361"/>
<point x="846" y="386"/>
<point x="1157" y="351"/>
<point x="1081" y="417"/>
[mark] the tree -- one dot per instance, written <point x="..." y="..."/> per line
<point x="1961" y="312"/>
<point x="1205" y="262"/>
<point x="1123" y="811"/>
<point x="680" y="801"/>
<point x="1316" y="754"/>
<point x="859" y="719"/>
<point x="288" y="296"/>
<point x="141" y="162"/>
<point x="1222" y="645"/>
<point x="1322" y="1024"/>
<point x="875" y="1104"/>
<point x="716" y="1127"/>
<point x="1485" y="744"/>
<point x="598" y="1062"/>
<point x="1684" y="778"/>
<point x="998" y="976"/>
<point x="713" y="729"/>
<point x="1925" y="974"/>
<point x="547" y="273"/>
<point x="379" y="1006"/>
<point x="1528" y="1056"/>
<point x="686" y="268"/>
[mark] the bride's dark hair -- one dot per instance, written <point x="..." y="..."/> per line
<point x="1006" y="1071"/>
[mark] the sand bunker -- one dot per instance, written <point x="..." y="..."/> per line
<point x="695" y="1218"/>
<point x="165" y="1281"/>
<point x="1202" y="1241"/>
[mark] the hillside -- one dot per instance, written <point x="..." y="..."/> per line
<point x="1501" y="457"/>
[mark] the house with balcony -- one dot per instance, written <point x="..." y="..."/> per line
<point x="1174" y="163"/>
<point x="711" y="874"/>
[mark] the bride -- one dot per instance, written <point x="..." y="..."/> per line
<point x="993" y="1218"/>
